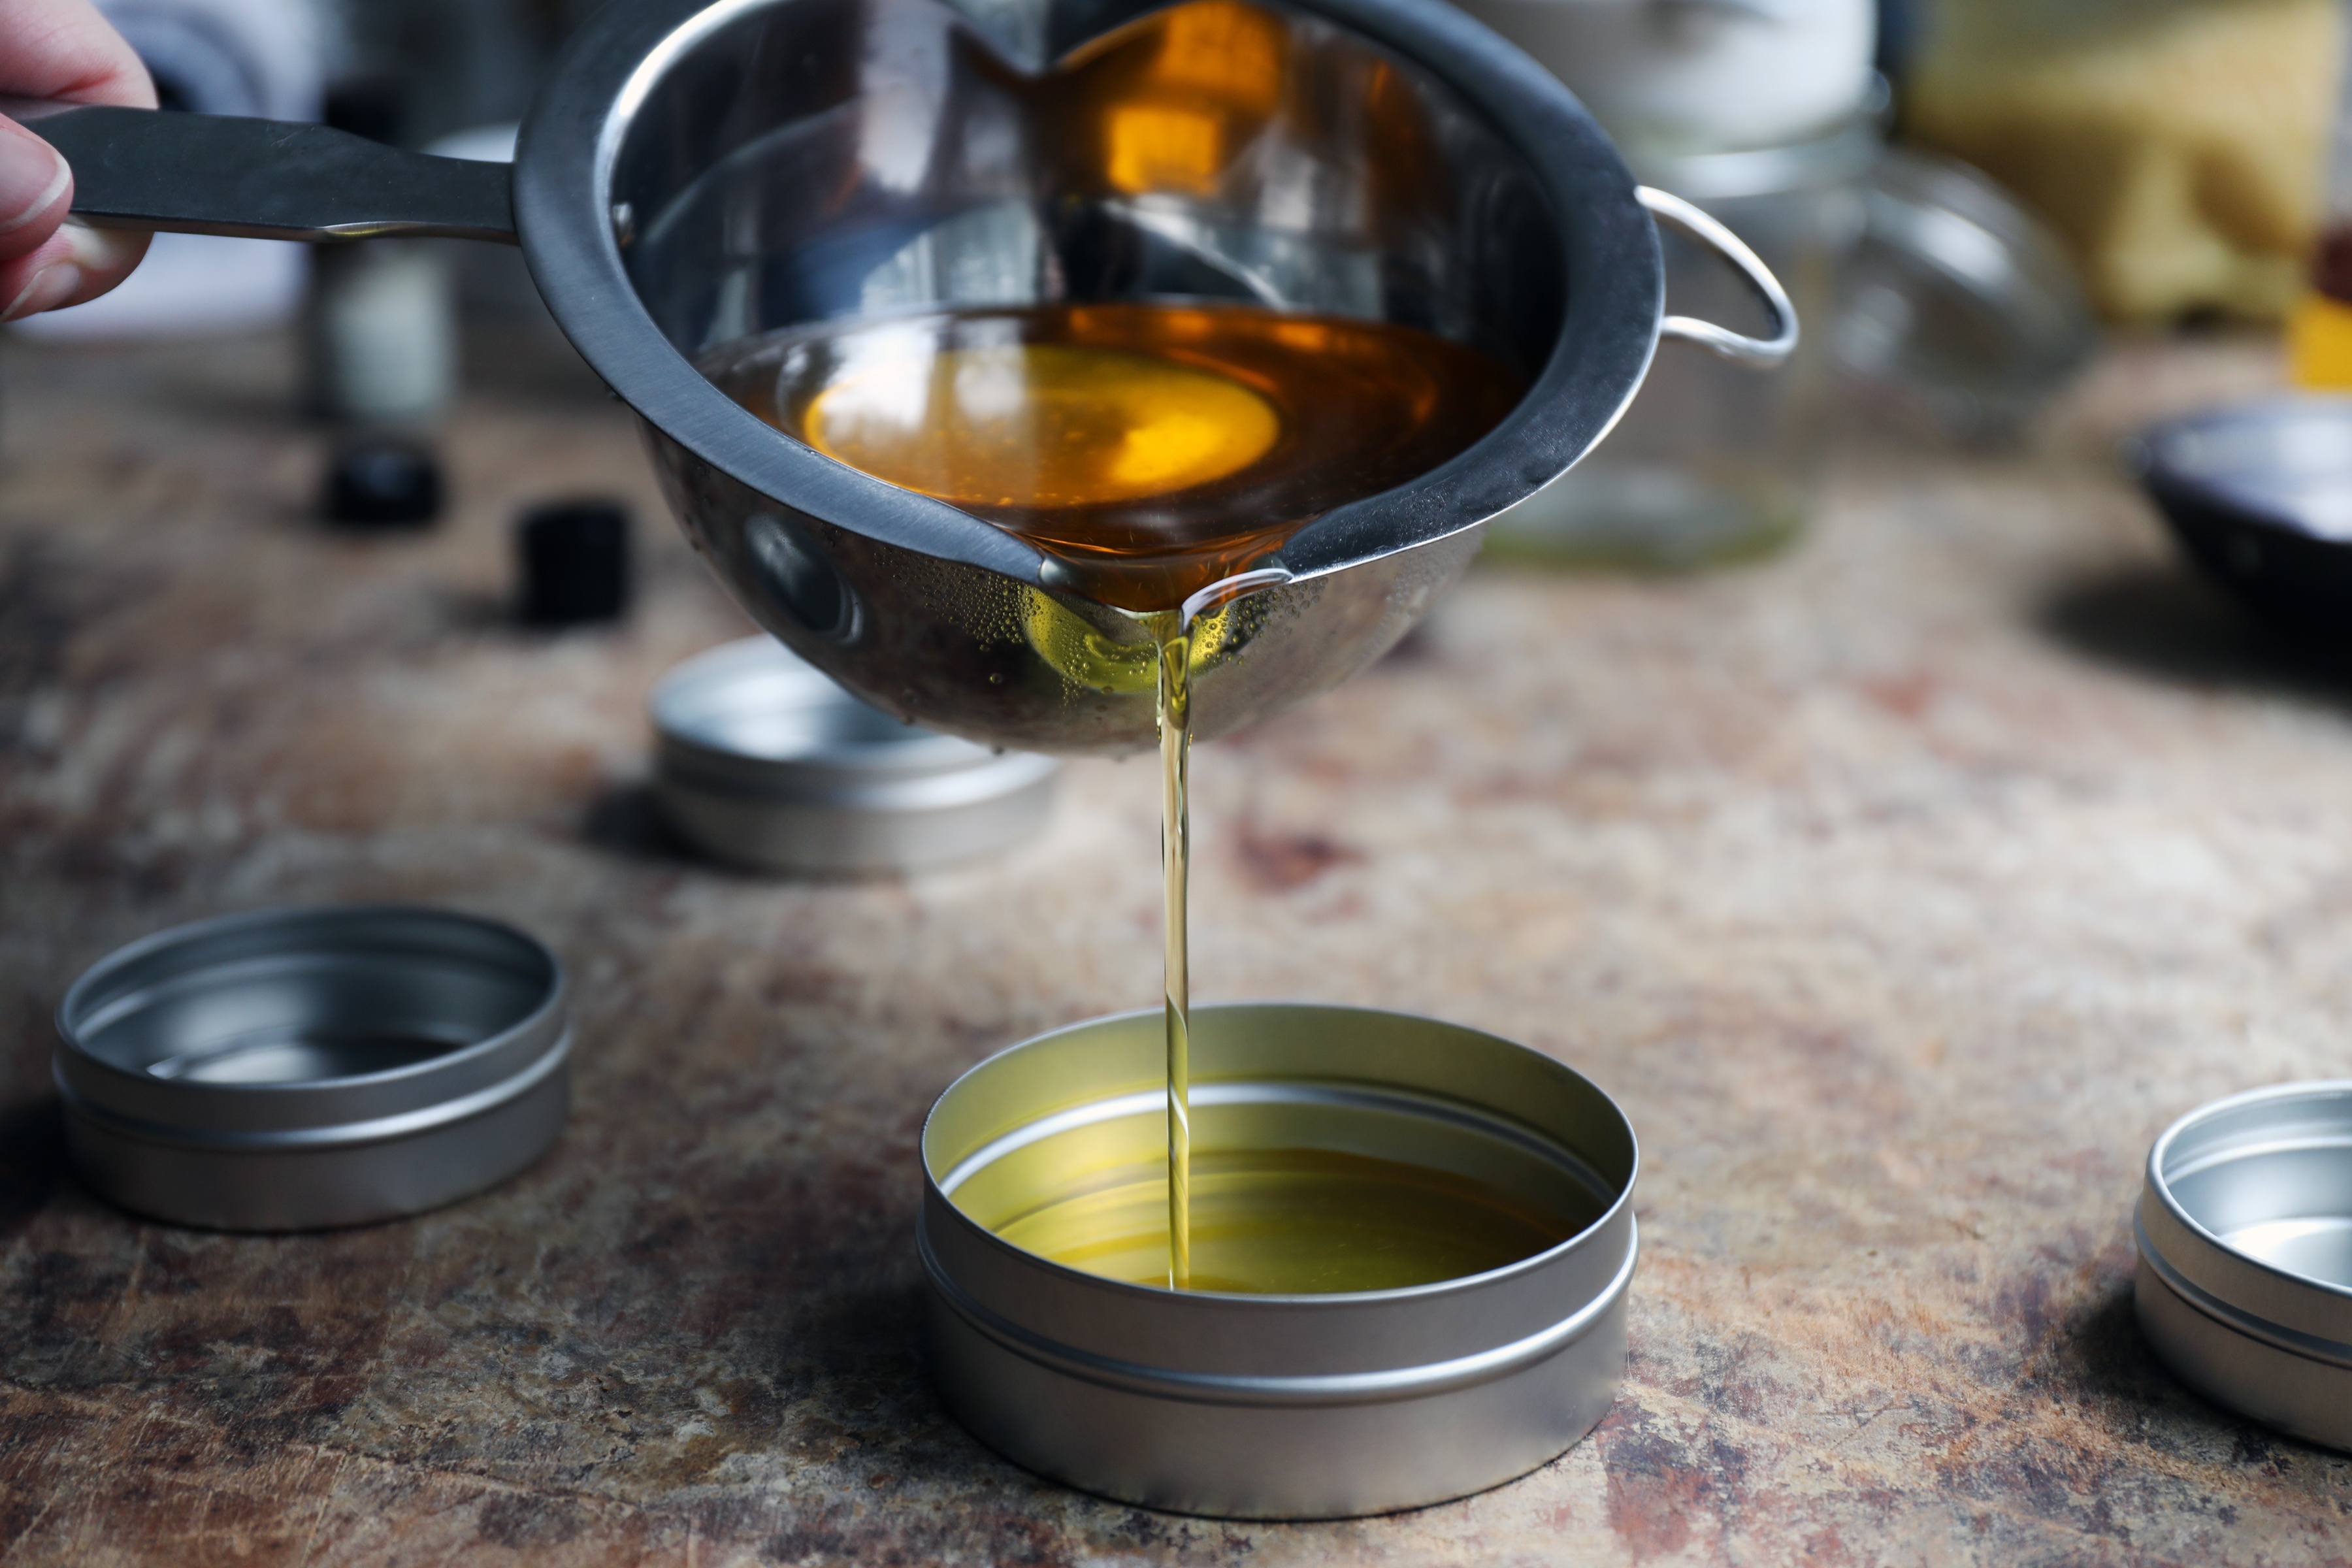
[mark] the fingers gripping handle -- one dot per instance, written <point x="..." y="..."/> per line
<point x="218" y="173"/>
<point x="1759" y="353"/>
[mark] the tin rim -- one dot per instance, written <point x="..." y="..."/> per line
<point x="1459" y="1284"/>
<point x="697" y="753"/>
<point x="345" y="1108"/>
<point x="1371" y="1386"/>
<point x="687" y="717"/>
<point x="2159" y="1187"/>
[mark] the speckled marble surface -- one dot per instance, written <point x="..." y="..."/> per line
<point x="1901" y="888"/>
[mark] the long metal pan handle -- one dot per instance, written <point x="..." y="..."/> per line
<point x="217" y="173"/>
<point x="1759" y="353"/>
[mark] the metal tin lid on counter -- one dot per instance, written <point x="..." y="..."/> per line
<point x="763" y="761"/>
<point x="2245" y="1256"/>
<point x="303" y="1069"/>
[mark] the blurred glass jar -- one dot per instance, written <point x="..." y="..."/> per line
<point x="1713" y="462"/>
<point x="1960" y="316"/>
<point x="1699" y="76"/>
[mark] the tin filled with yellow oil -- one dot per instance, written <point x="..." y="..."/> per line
<point x="1411" y="1246"/>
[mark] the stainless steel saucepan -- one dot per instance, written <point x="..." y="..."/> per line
<point x="699" y="174"/>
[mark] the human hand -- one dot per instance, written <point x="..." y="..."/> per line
<point x="58" y="49"/>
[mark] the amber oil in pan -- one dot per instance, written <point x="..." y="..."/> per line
<point x="1160" y="448"/>
<point x="1155" y="447"/>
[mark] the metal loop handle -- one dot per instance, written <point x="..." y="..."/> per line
<point x="1757" y="354"/>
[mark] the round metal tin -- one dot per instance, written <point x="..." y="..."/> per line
<point x="303" y="1069"/>
<point x="2245" y="1256"/>
<point x="762" y="761"/>
<point x="1278" y="1406"/>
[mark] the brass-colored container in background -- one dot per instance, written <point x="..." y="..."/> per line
<point x="1278" y="1406"/>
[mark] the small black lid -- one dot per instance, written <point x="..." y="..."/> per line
<point x="382" y="484"/>
<point x="575" y="558"/>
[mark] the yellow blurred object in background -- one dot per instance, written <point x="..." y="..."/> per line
<point x="2319" y="343"/>
<point x="2176" y="144"/>
<point x="2319" y="335"/>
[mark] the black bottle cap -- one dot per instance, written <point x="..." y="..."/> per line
<point x="383" y="484"/>
<point x="575" y="557"/>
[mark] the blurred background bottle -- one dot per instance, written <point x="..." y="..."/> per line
<point x="379" y="327"/>
<point x="1682" y="76"/>
<point x="1766" y="114"/>
<point x="2319" y="334"/>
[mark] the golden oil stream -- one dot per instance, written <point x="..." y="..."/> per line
<point x="1174" y="635"/>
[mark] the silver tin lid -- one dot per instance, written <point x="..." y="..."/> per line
<point x="2245" y="1248"/>
<point x="762" y="761"/>
<point x="303" y="1069"/>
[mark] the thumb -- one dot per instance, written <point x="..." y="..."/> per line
<point x="36" y="189"/>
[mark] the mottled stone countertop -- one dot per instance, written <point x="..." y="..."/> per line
<point x="1901" y="888"/>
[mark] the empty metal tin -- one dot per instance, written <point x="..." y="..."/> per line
<point x="763" y="761"/>
<point x="2245" y="1256"/>
<point x="1275" y="1406"/>
<point x="298" y="1069"/>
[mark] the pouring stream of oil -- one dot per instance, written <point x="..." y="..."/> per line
<point x="1158" y="450"/>
<point x="1175" y="686"/>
